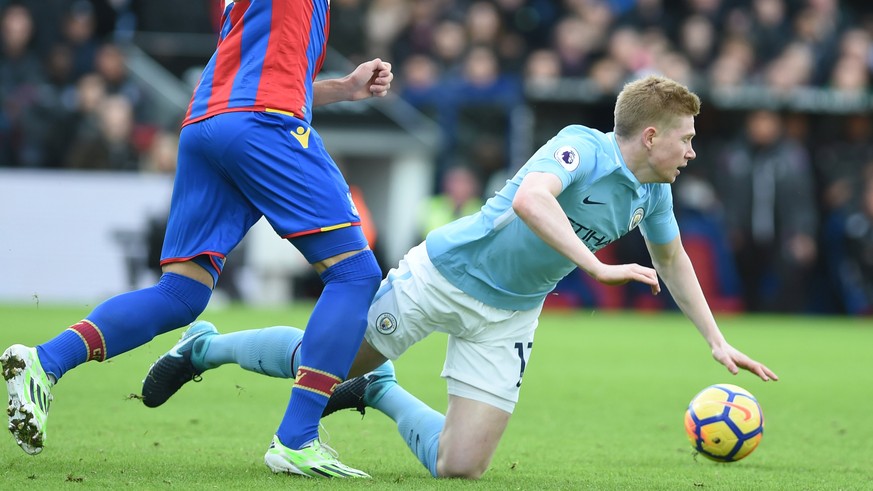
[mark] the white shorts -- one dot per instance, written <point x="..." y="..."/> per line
<point x="488" y="347"/>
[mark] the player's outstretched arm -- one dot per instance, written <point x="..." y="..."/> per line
<point x="536" y="204"/>
<point x="370" y="79"/>
<point x="675" y="268"/>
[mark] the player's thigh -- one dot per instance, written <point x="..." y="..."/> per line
<point x="492" y="360"/>
<point x="208" y="213"/>
<point x="469" y="438"/>
<point x="284" y="170"/>
<point x="483" y="374"/>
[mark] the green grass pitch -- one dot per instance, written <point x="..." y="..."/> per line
<point x="601" y="408"/>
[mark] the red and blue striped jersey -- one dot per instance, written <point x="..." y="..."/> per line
<point x="268" y="54"/>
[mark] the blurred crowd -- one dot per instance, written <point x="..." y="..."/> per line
<point x="779" y="206"/>
<point x="68" y="100"/>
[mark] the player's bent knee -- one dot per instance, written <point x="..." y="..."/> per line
<point x="361" y="268"/>
<point x="192" y="270"/>
<point x="323" y="264"/>
<point x="460" y="469"/>
<point x="177" y="300"/>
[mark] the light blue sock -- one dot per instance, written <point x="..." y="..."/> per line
<point x="419" y="425"/>
<point x="272" y="351"/>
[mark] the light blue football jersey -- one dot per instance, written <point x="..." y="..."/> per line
<point x="496" y="258"/>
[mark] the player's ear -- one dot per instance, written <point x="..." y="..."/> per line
<point x="648" y="136"/>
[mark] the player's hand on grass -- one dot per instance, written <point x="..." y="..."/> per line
<point x="619" y="274"/>
<point x="370" y="79"/>
<point x="733" y="359"/>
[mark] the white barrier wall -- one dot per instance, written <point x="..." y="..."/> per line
<point x="67" y="236"/>
<point x="59" y="231"/>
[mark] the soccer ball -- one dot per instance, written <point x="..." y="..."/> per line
<point x="724" y="422"/>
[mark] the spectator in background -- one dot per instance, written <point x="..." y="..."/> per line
<point x="531" y="21"/>
<point x="348" y="35"/>
<point x="793" y="69"/>
<point x="20" y="75"/>
<point x="648" y="14"/>
<point x="574" y="41"/>
<point x="594" y="12"/>
<point x="656" y="42"/>
<point x="626" y="47"/>
<point x="60" y="78"/>
<point x="856" y="44"/>
<point x="818" y="27"/>
<point x="770" y="28"/>
<point x="849" y="241"/>
<point x="110" y="64"/>
<point x="483" y="24"/>
<point x="714" y="10"/>
<point x="542" y="69"/>
<point x="766" y="186"/>
<point x="482" y="101"/>
<point x="697" y="39"/>
<point x="78" y="35"/>
<point x="45" y="126"/>
<point x="420" y="83"/>
<point x="384" y="21"/>
<point x="838" y="164"/>
<point x="482" y="80"/>
<point x="851" y="77"/>
<point x="125" y="20"/>
<point x="725" y="74"/>
<point x="48" y="15"/>
<point x="733" y="65"/>
<point x="460" y="195"/>
<point x="81" y="119"/>
<point x="449" y="45"/>
<point x="416" y="38"/>
<point x="110" y="147"/>
<point x="676" y="66"/>
<point x="607" y="74"/>
<point x="485" y="28"/>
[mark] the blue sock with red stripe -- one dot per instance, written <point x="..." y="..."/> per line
<point x="330" y="342"/>
<point x="125" y="322"/>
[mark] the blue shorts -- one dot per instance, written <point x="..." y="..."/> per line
<point x="236" y="167"/>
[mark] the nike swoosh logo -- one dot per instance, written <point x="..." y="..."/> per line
<point x="745" y="410"/>
<point x="588" y="201"/>
<point x="174" y="352"/>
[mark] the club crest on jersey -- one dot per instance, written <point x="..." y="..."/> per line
<point x="636" y="219"/>
<point x="386" y="323"/>
<point x="568" y="157"/>
<point x="301" y="134"/>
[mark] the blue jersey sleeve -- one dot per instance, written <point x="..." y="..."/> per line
<point x="659" y="226"/>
